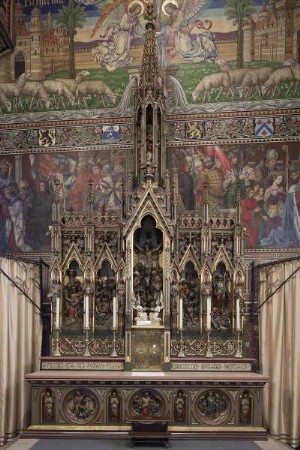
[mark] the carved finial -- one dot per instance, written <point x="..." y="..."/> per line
<point x="149" y="11"/>
<point x="238" y="202"/>
<point x="205" y="190"/>
<point x="57" y="189"/>
<point x="206" y="213"/>
<point x="90" y="196"/>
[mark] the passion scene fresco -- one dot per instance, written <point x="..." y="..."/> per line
<point x="268" y="177"/>
<point x="26" y="201"/>
<point x="74" y="54"/>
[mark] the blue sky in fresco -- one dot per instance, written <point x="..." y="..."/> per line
<point x="94" y="10"/>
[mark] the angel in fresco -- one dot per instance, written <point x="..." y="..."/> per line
<point x="181" y="32"/>
<point x="117" y="26"/>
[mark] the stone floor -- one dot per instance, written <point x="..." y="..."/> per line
<point x="73" y="444"/>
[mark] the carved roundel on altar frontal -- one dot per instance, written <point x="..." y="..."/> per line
<point x="213" y="407"/>
<point x="80" y="406"/>
<point x="147" y="404"/>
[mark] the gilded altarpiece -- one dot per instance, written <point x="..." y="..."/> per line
<point x="148" y="280"/>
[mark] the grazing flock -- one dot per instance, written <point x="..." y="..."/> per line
<point x="59" y="93"/>
<point x="247" y="82"/>
<point x="63" y="93"/>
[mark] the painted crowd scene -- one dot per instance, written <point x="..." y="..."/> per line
<point x="83" y="54"/>
<point x="267" y="176"/>
<point x="74" y="54"/>
<point x="26" y="204"/>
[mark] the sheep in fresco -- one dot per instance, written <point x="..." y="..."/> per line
<point x="219" y="80"/>
<point x="15" y="89"/>
<point x="36" y="89"/>
<point x="253" y="79"/>
<point x="94" y="87"/>
<point x="277" y="77"/>
<point x="295" y="68"/>
<point x="4" y="100"/>
<point x="59" y="90"/>
<point x="236" y="75"/>
<point x="72" y="83"/>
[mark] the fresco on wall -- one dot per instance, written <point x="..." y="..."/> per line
<point x="6" y="35"/>
<point x="269" y="180"/>
<point x="87" y="62"/>
<point x="27" y="192"/>
<point x="268" y="176"/>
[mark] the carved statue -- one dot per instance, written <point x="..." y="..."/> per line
<point x="47" y="407"/>
<point x="114" y="407"/>
<point x="154" y="314"/>
<point x="179" y="410"/>
<point x="245" y="408"/>
<point x="141" y="314"/>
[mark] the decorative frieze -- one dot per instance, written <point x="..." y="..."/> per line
<point x="82" y="365"/>
<point x="62" y="137"/>
<point x="212" y="366"/>
<point x="235" y="128"/>
<point x="76" y="346"/>
<point x="198" y="347"/>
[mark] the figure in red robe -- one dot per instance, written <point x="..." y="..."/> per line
<point x="251" y="216"/>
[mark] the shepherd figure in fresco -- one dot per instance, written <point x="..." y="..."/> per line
<point x="118" y="25"/>
<point x="181" y="32"/>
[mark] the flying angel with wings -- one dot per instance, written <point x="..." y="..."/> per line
<point x="181" y="32"/>
<point x="118" y="24"/>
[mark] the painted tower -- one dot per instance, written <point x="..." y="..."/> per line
<point x="37" y="69"/>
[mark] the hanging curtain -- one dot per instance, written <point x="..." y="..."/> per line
<point x="279" y="322"/>
<point x="20" y="344"/>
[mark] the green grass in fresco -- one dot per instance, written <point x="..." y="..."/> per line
<point x="116" y="80"/>
<point x="188" y="75"/>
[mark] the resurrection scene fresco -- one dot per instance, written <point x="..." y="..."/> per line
<point x="26" y="199"/>
<point x="73" y="54"/>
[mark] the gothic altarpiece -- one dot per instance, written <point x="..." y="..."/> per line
<point x="147" y="306"/>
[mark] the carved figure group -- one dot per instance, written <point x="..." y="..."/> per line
<point x="148" y="283"/>
<point x="74" y="303"/>
<point x="220" y="316"/>
<point x="105" y="289"/>
<point x="147" y="404"/>
<point x="212" y="405"/>
<point x="80" y="405"/>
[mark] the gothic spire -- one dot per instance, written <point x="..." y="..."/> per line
<point x="150" y="85"/>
